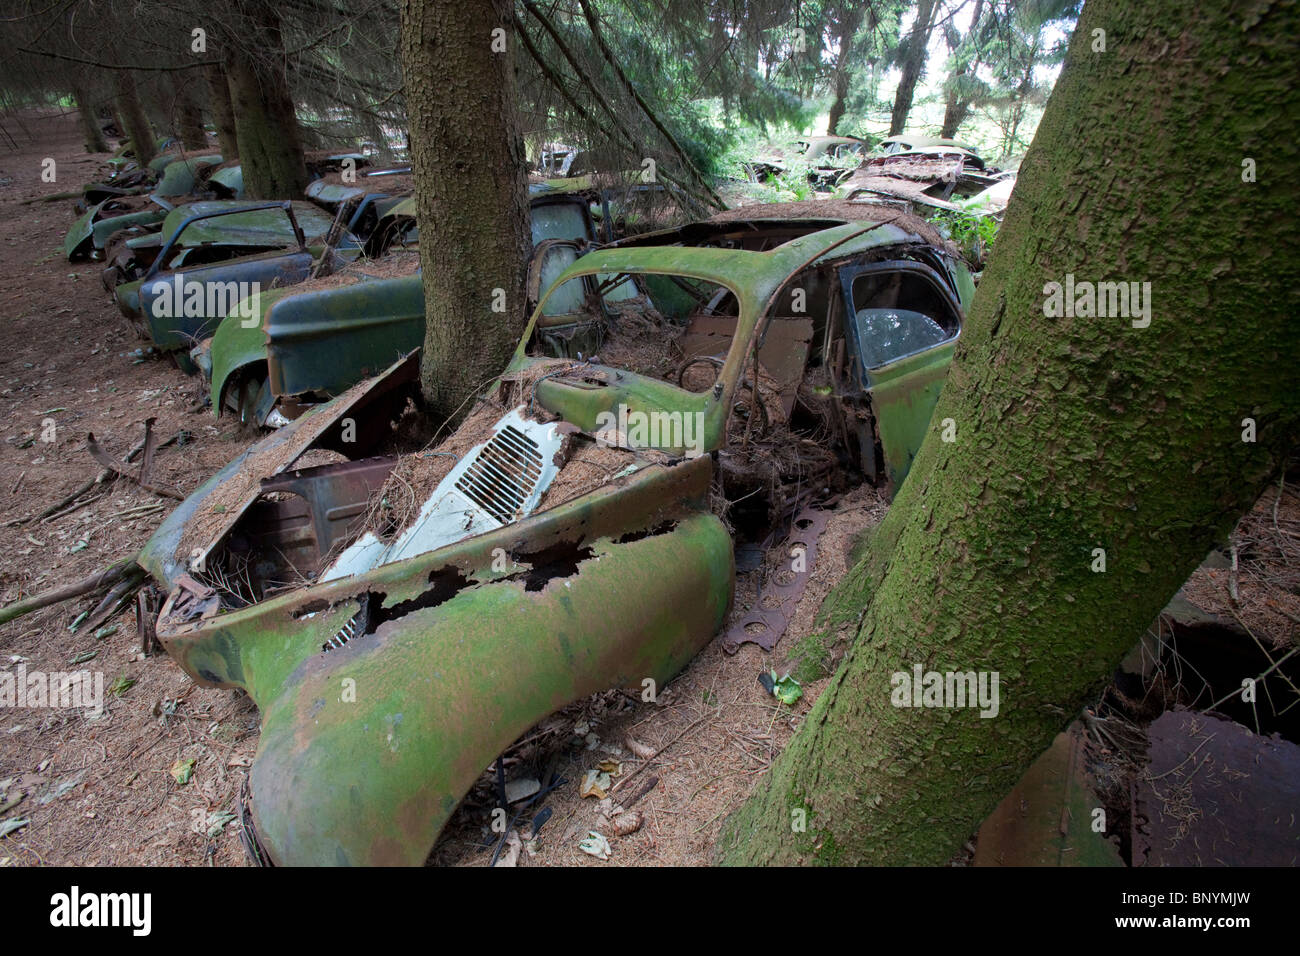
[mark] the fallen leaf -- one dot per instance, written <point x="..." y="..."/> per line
<point x="520" y="789"/>
<point x="182" y="771"/>
<point x="596" y="845"/>
<point x="595" y="784"/>
<point x="217" y="821"/>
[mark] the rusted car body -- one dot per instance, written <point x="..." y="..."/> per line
<point x="211" y="256"/>
<point x="139" y="199"/>
<point x="934" y="180"/>
<point x="831" y="158"/>
<point x="89" y="235"/>
<point x="311" y="345"/>
<point x="907" y="142"/>
<point x="392" y="664"/>
<point x="146" y="205"/>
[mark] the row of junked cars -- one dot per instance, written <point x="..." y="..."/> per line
<point x="675" y="393"/>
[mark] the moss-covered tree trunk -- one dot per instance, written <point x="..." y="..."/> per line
<point x="132" y="114"/>
<point x="266" y="123"/>
<point x="189" y="117"/>
<point x="913" y="64"/>
<point x="1073" y="436"/>
<point x="223" y="114"/>
<point x="90" y="131"/>
<point x="469" y="183"/>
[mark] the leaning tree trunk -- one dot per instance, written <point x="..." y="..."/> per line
<point x="955" y="112"/>
<point x="223" y="114"/>
<point x="957" y="101"/>
<point x="469" y="184"/>
<point x="849" y="18"/>
<point x="837" y="105"/>
<point x="1072" y="435"/>
<point x="913" y="64"/>
<point x="129" y="108"/>
<point x="94" y="136"/>
<point x="189" y="118"/>
<point x="266" y="124"/>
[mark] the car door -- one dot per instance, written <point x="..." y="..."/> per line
<point x="902" y="320"/>
<point x="182" y="298"/>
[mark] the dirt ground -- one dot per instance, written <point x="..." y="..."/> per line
<point x="95" y="791"/>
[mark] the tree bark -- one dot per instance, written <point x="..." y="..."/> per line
<point x="1072" y="434"/>
<point x="913" y="63"/>
<point x="849" y="18"/>
<point x="955" y="111"/>
<point x="265" y="120"/>
<point x="189" y="118"/>
<point x="132" y="114"/>
<point x="958" y="100"/>
<point x="471" y="200"/>
<point x="223" y="114"/>
<point x="94" y="136"/>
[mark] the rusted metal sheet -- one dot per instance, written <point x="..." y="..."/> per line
<point x="1047" y="818"/>
<point x="328" y="503"/>
<point x="1216" y="794"/>
<point x="371" y="405"/>
<point x="766" y="622"/>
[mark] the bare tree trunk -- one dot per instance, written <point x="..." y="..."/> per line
<point x="94" y="136"/>
<point x="1078" y="438"/>
<point x="849" y="19"/>
<point x="189" y="118"/>
<point x="913" y="64"/>
<point x="132" y="114"/>
<point x="955" y="111"/>
<point x="223" y="114"/>
<point x="266" y="122"/>
<point x="958" y="96"/>
<point x="470" y="191"/>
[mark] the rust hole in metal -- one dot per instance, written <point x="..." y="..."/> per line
<point x="783" y="578"/>
<point x="658" y="529"/>
<point x="311" y="607"/>
<point x="558" y="561"/>
<point x="445" y="586"/>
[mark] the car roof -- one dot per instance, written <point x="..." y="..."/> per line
<point x="751" y="273"/>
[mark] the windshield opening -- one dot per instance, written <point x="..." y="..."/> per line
<point x="674" y="328"/>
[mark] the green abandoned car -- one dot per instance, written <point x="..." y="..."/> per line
<point x="310" y="344"/>
<point x="211" y="258"/>
<point x="401" y="619"/>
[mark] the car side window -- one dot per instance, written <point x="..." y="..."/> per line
<point x="569" y="298"/>
<point x="559" y="221"/>
<point x="897" y="310"/>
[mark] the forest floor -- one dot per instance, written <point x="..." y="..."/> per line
<point x="103" y="790"/>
